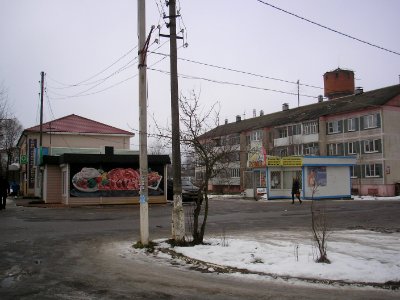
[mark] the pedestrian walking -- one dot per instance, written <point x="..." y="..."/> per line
<point x="296" y="189"/>
<point x="4" y="191"/>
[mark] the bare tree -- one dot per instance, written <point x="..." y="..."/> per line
<point x="319" y="227"/>
<point x="212" y="156"/>
<point x="157" y="147"/>
<point x="11" y="129"/>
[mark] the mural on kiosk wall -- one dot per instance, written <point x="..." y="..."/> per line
<point x="112" y="182"/>
<point x="316" y="176"/>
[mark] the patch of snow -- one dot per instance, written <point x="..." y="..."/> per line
<point x="356" y="256"/>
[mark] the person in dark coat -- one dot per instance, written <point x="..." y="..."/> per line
<point x="4" y="191"/>
<point x="296" y="189"/>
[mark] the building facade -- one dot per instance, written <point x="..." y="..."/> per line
<point x="351" y="123"/>
<point x="70" y="134"/>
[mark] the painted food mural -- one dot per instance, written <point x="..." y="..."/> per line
<point x="118" y="179"/>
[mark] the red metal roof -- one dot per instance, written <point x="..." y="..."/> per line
<point x="78" y="124"/>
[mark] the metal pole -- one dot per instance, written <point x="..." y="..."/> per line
<point x="178" y="221"/>
<point x="143" y="193"/>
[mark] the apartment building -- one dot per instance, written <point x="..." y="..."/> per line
<point x="351" y="123"/>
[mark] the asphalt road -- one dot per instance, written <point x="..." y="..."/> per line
<point x="75" y="253"/>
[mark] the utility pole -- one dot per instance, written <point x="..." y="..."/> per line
<point x="41" y="131"/>
<point x="178" y="217"/>
<point x="41" y="110"/>
<point x="143" y="193"/>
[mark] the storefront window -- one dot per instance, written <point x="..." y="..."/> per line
<point x="276" y="180"/>
<point x="288" y="178"/>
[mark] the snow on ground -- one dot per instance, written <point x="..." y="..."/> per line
<point x="356" y="256"/>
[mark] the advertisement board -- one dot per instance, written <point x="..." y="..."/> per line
<point x="113" y="181"/>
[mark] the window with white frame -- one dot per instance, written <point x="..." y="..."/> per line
<point x="370" y="121"/>
<point x="296" y="129"/>
<point x="371" y="170"/>
<point x="298" y="150"/>
<point x="334" y="149"/>
<point x="256" y="135"/>
<point x="333" y="127"/>
<point x="351" y="124"/>
<point x="283" y="132"/>
<point x="310" y="127"/>
<point x="310" y="149"/>
<point x="353" y="173"/>
<point x="371" y="146"/>
<point x="352" y="148"/>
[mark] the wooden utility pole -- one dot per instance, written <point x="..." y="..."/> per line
<point x="178" y="217"/>
<point x="143" y="193"/>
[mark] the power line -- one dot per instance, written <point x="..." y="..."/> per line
<point x="239" y="71"/>
<point x="230" y="83"/>
<point x="84" y="93"/>
<point x="328" y="28"/>
<point x="95" y="75"/>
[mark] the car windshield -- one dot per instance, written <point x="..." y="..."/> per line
<point x="186" y="183"/>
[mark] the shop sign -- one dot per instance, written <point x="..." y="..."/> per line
<point x="289" y="161"/>
<point x="274" y="161"/>
<point x="261" y="191"/>
<point x="23" y="159"/>
<point x="292" y="161"/>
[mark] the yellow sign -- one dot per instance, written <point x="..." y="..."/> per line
<point x="289" y="161"/>
<point x="274" y="161"/>
<point x="292" y="161"/>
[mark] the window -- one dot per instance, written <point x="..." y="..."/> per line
<point x="351" y="124"/>
<point x="310" y="149"/>
<point x="353" y="173"/>
<point x="310" y="127"/>
<point x="372" y="170"/>
<point x="234" y="173"/>
<point x="288" y="178"/>
<point x="199" y="175"/>
<point x="275" y="180"/>
<point x="283" y="152"/>
<point x="283" y="132"/>
<point x="370" y="121"/>
<point x="371" y="146"/>
<point x="296" y="129"/>
<point x="298" y="150"/>
<point x="334" y="127"/>
<point x="352" y="148"/>
<point x="334" y="149"/>
<point x="256" y="135"/>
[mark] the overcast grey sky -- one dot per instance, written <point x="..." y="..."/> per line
<point x="73" y="40"/>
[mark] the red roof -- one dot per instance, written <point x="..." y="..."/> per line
<point x="78" y="124"/>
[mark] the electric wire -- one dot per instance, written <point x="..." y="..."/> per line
<point x="95" y="75"/>
<point x="230" y="83"/>
<point x="84" y="93"/>
<point x="241" y="72"/>
<point x="327" y="28"/>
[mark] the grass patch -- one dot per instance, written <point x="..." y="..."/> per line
<point x="149" y="247"/>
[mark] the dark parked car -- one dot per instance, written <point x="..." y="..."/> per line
<point x="189" y="190"/>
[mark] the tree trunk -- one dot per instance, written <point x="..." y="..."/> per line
<point x="203" y="225"/>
